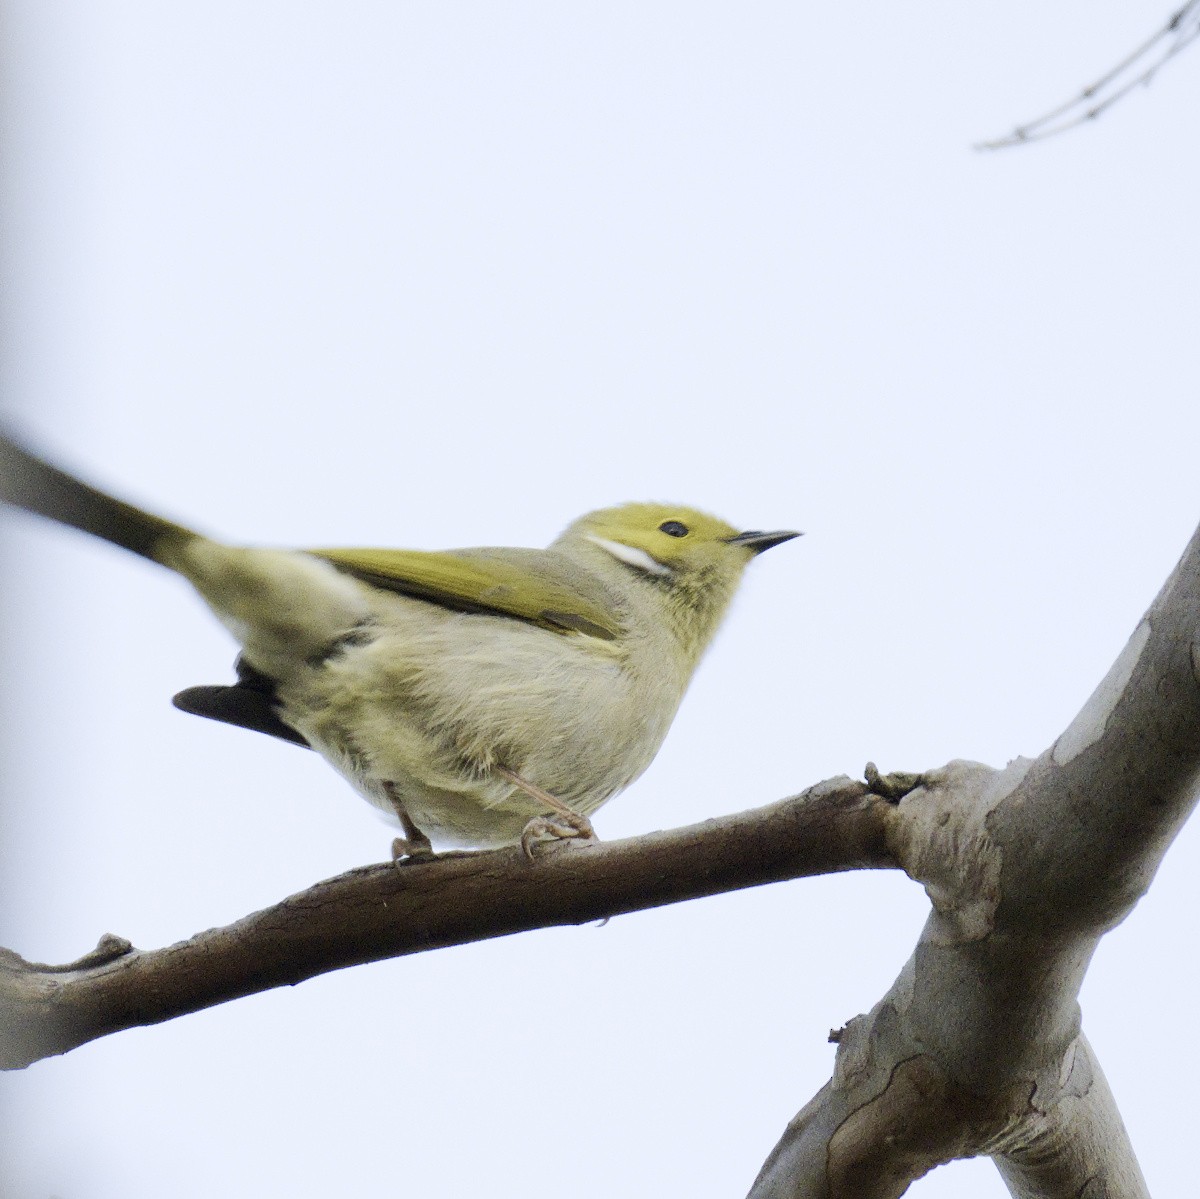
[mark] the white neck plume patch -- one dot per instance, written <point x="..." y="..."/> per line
<point x="631" y="556"/>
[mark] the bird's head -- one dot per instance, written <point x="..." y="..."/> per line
<point x="691" y="561"/>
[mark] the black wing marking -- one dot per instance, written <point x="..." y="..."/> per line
<point x="250" y="703"/>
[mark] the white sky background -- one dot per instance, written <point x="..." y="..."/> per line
<point x="452" y="273"/>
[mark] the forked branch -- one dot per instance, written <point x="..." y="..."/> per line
<point x="977" y="1047"/>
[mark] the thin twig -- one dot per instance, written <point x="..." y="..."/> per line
<point x="1114" y="85"/>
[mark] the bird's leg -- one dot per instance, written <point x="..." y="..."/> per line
<point x="414" y="844"/>
<point x="564" y="824"/>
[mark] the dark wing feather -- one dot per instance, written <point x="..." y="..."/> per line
<point x="250" y="703"/>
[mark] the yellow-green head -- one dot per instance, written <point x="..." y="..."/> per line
<point x="689" y="561"/>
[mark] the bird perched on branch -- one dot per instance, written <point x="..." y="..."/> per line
<point x="479" y="697"/>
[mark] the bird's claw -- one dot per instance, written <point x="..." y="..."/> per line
<point x="559" y="827"/>
<point x="406" y="850"/>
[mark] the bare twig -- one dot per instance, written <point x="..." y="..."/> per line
<point x="1138" y="69"/>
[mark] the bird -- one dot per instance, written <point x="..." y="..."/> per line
<point x="478" y="698"/>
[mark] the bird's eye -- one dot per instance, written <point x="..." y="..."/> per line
<point x="673" y="528"/>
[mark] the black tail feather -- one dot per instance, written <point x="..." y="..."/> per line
<point x="29" y="482"/>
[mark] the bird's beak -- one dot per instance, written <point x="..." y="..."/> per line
<point x="756" y="541"/>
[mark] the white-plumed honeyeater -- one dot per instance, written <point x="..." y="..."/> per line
<point x="480" y="697"/>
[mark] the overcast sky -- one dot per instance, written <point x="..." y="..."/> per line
<point x="448" y="274"/>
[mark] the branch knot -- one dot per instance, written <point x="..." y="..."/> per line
<point x="938" y="833"/>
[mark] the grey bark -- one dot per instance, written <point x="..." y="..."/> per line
<point x="977" y="1048"/>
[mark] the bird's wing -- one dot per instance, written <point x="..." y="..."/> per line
<point x="250" y="703"/>
<point x="525" y="584"/>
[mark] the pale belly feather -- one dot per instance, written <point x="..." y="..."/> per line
<point x="428" y="702"/>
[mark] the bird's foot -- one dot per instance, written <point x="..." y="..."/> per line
<point x="559" y="827"/>
<point x="564" y="823"/>
<point x="412" y="849"/>
<point x="414" y="846"/>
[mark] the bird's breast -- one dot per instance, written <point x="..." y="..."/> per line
<point x="434" y="700"/>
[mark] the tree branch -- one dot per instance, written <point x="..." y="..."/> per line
<point x="977" y="1048"/>
<point x="1137" y="69"/>
<point x="386" y="911"/>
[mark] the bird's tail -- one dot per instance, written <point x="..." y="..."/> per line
<point x="29" y="482"/>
